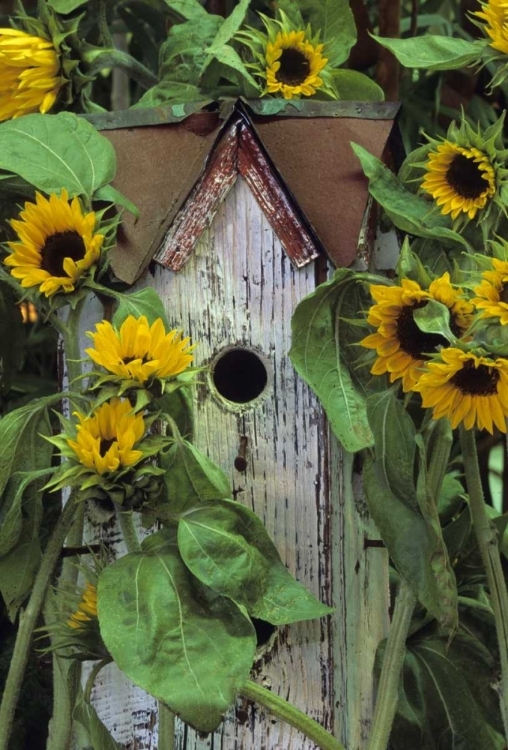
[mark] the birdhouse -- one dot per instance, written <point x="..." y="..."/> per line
<point x="243" y="212"/>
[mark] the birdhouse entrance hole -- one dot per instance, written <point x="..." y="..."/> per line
<point x="239" y="375"/>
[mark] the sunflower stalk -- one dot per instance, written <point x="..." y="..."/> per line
<point x="28" y="621"/>
<point x="283" y="710"/>
<point x="488" y="544"/>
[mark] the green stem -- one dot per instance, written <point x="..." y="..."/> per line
<point x="166" y="729"/>
<point x="87" y="693"/>
<point x="286" y="712"/>
<point x="70" y="336"/>
<point x="129" y="533"/>
<point x="438" y="457"/>
<point x="60" y="725"/>
<point x="28" y="620"/>
<point x="115" y="58"/>
<point x="103" y="24"/>
<point x="487" y="542"/>
<point x="388" y="688"/>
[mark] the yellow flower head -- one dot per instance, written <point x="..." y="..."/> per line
<point x="493" y="292"/>
<point x="139" y="351"/>
<point x="105" y="441"/>
<point x="461" y="180"/>
<point x="401" y="347"/>
<point x="293" y="65"/>
<point x="495" y="15"/>
<point x="56" y="244"/>
<point x="87" y="609"/>
<point x="30" y="76"/>
<point x="466" y="389"/>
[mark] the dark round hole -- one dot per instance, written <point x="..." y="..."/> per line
<point x="240" y="376"/>
<point x="264" y="631"/>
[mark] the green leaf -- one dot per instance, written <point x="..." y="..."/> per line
<point x="53" y="152"/>
<point x="408" y="537"/>
<point x="191" y="10"/>
<point x="12" y="337"/>
<point x="433" y="52"/>
<point x="227" y="547"/>
<point x="229" y="26"/>
<point x="179" y="641"/>
<point x="446" y="698"/>
<point x="317" y="357"/>
<point x="191" y="478"/>
<point x="20" y="437"/>
<point x="335" y="20"/>
<point x="394" y="439"/>
<point x="65" y="6"/>
<point x="179" y="404"/>
<point x="230" y="57"/>
<point x="353" y="86"/>
<point x="144" y="302"/>
<point x="98" y="736"/>
<point x="112" y="195"/>
<point x="407" y="211"/>
<point x="16" y="498"/>
<point x="434" y="318"/>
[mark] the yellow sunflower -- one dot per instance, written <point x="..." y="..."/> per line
<point x="466" y="389"/>
<point x="86" y="610"/>
<point x="293" y="65"/>
<point x="401" y="347"/>
<point x="495" y="14"/>
<point x="56" y="244"/>
<point x="139" y="351"/>
<point x="30" y="76"/>
<point x="461" y="180"/>
<point x="493" y="292"/>
<point x="105" y="441"/>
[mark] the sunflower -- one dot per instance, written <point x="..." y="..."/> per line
<point x="86" y="610"/>
<point x="293" y="65"/>
<point x="56" y="244"/>
<point x="495" y="14"/>
<point x="30" y="75"/>
<point x="401" y="347"/>
<point x="493" y="292"/>
<point x="139" y="351"/>
<point x="466" y="389"/>
<point x="105" y="441"/>
<point x="461" y="180"/>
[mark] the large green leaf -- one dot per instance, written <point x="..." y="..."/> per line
<point x="53" y="152"/>
<point x="409" y="539"/>
<point x="191" y="10"/>
<point x="446" y="698"/>
<point x="317" y="356"/>
<point x="21" y="492"/>
<point x="178" y="640"/>
<point x="144" y="302"/>
<point x="353" y="86"/>
<point x="191" y="478"/>
<point x="65" y="6"/>
<point x="408" y="212"/>
<point x="433" y="52"/>
<point x="394" y="437"/>
<point x="335" y="20"/>
<point x="227" y="547"/>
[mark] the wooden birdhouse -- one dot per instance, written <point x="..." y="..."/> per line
<point x="242" y="214"/>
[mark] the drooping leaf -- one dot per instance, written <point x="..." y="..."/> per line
<point x="335" y="20"/>
<point x="172" y="636"/>
<point x="111" y="195"/>
<point x="18" y="496"/>
<point x="432" y="52"/>
<point x="53" y="152"/>
<point x="144" y="302"/>
<point x="409" y="538"/>
<point x="191" y="478"/>
<point x="408" y="212"/>
<point x="98" y="736"/>
<point x="317" y="357"/>
<point x="394" y="440"/>
<point x="434" y="317"/>
<point x="446" y="698"/>
<point x="227" y="547"/>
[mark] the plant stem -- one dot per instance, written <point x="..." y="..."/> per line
<point x="129" y="533"/>
<point x="115" y="58"/>
<point x="70" y="335"/>
<point x="166" y="729"/>
<point x="388" y="688"/>
<point x="28" y="621"/>
<point x="486" y="537"/>
<point x="288" y="713"/>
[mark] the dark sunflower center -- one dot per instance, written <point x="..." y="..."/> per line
<point x="413" y="341"/>
<point x="476" y="381"/>
<point x="503" y="294"/>
<point x="58" y="247"/>
<point x="146" y="358"/>
<point x="294" y="67"/>
<point x="465" y="177"/>
<point x="105" y="446"/>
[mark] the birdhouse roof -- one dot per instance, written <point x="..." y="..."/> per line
<point x="177" y="165"/>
